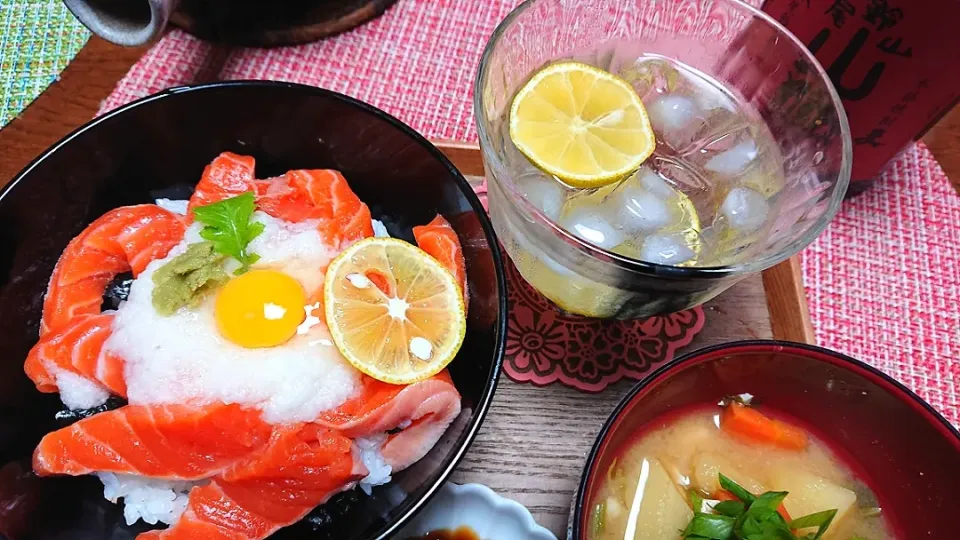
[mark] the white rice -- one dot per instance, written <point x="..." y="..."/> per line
<point x="175" y="206"/>
<point x="154" y="500"/>
<point x="77" y="392"/>
<point x="379" y="229"/>
<point x="144" y="498"/>
<point x="377" y="467"/>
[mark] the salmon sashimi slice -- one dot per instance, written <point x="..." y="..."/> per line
<point x="440" y="240"/>
<point x="77" y="348"/>
<point x="300" y="469"/>
<point x="296" y="196"/>
<point x="122" y="240"/>
<point x="180" y="442"/>
<point x="422" y="411"/>
<point x="228" y="175"/>
<point x="323" y="195"/>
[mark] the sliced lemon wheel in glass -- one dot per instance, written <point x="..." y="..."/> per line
<point x="581" y="124"/>
<point x="394" y="311"/>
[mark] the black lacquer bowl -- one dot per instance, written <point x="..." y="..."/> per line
<point x="158" y="147"/>
<point x="895" y="442"/>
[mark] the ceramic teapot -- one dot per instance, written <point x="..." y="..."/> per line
<point x="238" y="22"/>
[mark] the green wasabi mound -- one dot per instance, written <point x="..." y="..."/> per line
<point x="188" y="278"/>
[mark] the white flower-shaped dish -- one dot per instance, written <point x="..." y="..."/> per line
<point x="476" y="506"/>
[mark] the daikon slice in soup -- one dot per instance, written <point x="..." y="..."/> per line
<point x="733" y="472"/>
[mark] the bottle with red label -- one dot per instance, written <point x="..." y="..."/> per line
<point x="892" y="63"/>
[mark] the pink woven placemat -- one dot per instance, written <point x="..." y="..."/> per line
<point x="883" y="281"/>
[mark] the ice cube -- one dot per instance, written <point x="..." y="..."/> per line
<point x="745" y="209"/>
<point x="666" y="249"/>
<point x="640" y="211"/>
<point x="652" y="76"/>
<point x="672" y="114"/>
<point x="589" y="224"/>
<point x="545" y="193"/>
<point x="654" y="183"/>
<point x="734" y="160"/>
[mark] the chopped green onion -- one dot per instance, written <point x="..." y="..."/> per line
<point x="737" y="490"/>
<point x="821" y="520"/>
<point x="696" y="501"/>
<point x="872" y="511"/>
<point x="770" y="500"/>
<point x="712" y="526"/>
<point x="752" y="517"/>
<point x="729" y="508"/>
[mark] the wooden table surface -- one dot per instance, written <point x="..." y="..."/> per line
<point x="530" y="432"/>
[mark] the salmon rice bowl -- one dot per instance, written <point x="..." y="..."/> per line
<point x="276" y="347"/>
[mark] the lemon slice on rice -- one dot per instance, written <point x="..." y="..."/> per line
<point x="581" y="124"/>
<point x="395" y="312"/>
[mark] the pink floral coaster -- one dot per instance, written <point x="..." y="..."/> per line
<point x="547" y="345"/>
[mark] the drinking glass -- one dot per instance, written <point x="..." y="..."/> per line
<point x="739" y="46"/>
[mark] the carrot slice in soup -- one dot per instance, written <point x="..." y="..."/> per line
<point x="753" y="426"/>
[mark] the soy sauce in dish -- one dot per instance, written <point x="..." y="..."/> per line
<point x="461" y="533"/>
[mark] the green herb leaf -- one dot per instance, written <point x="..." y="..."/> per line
<point x="821" y="520"/>
<point x="227" y="225"/>
<point x="712" y="526"/>
<point x="737" y="490"/>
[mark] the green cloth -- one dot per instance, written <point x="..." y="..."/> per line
<point x="38" y="38"/>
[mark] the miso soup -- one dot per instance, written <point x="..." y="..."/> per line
<point x="733" y="472"/>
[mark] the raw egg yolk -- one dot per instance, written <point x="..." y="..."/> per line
<point x="261" y="308"/>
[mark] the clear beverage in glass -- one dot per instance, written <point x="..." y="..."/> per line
<point x="751" y="162"/>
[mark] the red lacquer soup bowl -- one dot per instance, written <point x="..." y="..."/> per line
<point x="897" y="443"/>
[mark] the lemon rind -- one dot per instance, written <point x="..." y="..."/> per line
<point x="582" y="181"/>
<point x="369" y="368"/>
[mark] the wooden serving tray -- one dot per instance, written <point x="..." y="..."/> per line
<point x="534" y="441"/>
